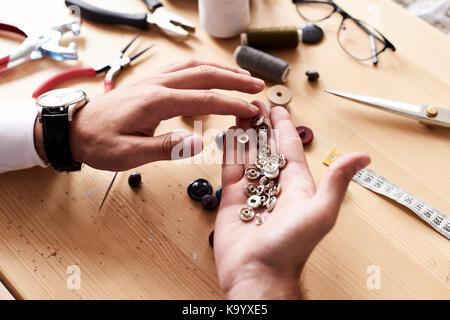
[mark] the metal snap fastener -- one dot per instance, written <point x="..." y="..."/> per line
<point x="260" y="162"/>
<point x="263" y="127"/>
<point x="259" y="219"/>
<point x="246" y="214"/>
<point x="281" y="161"/>
<point x="250" y="189"/>
<point x="259" y="190"/>
<point x="254" y="201"/>
<point x="263" y="151"/>
<point x="252" y="173"/>
<point x="258" y="120"/>
<point x="272" y="175"/>
<point x="266" y="183"/>
<point x="264" y="197"/>
<point x="243" y="138"/>
<point x="275" y="190"/>
<point x="271" y="203"/>
<point x="271" y="166"/>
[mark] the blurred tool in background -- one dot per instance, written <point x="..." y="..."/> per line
<point x="224" y="18"/>
<point x="41" y="42"/>
<point x="436" y="12"/>
<point x="168" y="22"/>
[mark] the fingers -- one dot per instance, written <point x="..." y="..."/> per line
<point x="211" y="77"/>
<point x="232" y="169"/>
<point x="333" y="187"/>
<point x="171" y="146"/>
<point x="192" y="63"/>
<point x="290" y="144"/>
<point x="202" y="102"/>
<point x="251" y="148"/>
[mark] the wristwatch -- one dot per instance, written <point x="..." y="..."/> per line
<point x="56" y="110"/>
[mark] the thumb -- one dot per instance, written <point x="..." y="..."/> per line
<point x="173" y="146"/>
<point x="332" y="190"/>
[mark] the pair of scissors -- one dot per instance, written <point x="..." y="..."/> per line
<point x="41" y="42"/>
<point x="427" y="114"/>
<point x="168" y="22"/>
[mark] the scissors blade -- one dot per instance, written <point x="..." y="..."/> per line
<point x="388" y="105"/>
<point x="107" y="191"/>
<point x="418" y="112"/>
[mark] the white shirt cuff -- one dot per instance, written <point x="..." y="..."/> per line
<point x="17" y="149"/>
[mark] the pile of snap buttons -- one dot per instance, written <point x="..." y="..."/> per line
<point x="262" y="190"/>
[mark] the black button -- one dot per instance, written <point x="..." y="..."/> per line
<point x="134" y="179"/>
<point x="198" y="189"/>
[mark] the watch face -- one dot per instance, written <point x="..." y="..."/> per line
<point x="60" y="98"/>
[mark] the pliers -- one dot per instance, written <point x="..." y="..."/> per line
<point x="40" y="43"/>
<point x="167" y="21"/>
<point x="118" y="62"/>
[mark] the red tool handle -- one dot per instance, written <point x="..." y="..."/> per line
<point x="11" y="28"/>
<point x="8" y="27"/>
<point x="109" y="85"/>
<point x="63" y="76"/>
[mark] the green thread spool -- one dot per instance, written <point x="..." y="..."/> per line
<point x="271" y="38"/>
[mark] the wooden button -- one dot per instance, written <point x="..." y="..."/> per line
<point x="279" y="95"/>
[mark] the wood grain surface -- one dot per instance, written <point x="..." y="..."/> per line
<point x="153" y="243"/>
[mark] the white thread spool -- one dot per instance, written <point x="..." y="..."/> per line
<point x="224" y="18"/>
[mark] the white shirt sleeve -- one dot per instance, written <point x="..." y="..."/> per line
<point x="17" y="149"/>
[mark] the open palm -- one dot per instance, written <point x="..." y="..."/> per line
<point x="266" y="261"/>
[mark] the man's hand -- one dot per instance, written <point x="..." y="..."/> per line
<point x="265" y="262"/>
<point x="115" y="131"/>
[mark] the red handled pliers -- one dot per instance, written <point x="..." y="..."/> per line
<point x="117" y="63"/>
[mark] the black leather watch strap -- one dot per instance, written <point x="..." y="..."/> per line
<point x="55" y="125"/>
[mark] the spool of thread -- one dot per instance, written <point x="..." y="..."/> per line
<point x="271" y="38"/>
<point x="263" y="64"/>
<point x="281" y="37"/>
<point x="224" y="18"/>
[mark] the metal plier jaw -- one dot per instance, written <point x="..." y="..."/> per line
<point x="52" y="47"/>
<point x="42" y="43"/>
<point x="170" y="23"/>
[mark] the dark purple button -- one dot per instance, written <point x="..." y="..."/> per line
<point x="198" y="189"/>
<point x="134" y="179"/>
<point x="312" y="75"/>
<point x="219" y="193"/>
<point x="210" y="202"/>
<point x="306" y="134"/>
<point x="211" y="239"/>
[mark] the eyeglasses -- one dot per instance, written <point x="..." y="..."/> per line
<point x="357" y="38"/>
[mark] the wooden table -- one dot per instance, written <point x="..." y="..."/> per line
<point x="153" y="243"/>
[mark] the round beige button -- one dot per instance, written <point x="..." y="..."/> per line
<point x="279" y="95"/>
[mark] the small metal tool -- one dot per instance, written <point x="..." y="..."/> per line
<point x="107" y="191"/>
<point x="428" y="114"/>
<point x="41" y="42"/>
<point x="112" y="68"/>
<point x="168" y="22"/>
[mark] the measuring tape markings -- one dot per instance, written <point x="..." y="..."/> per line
<point x="378" y="184"/>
